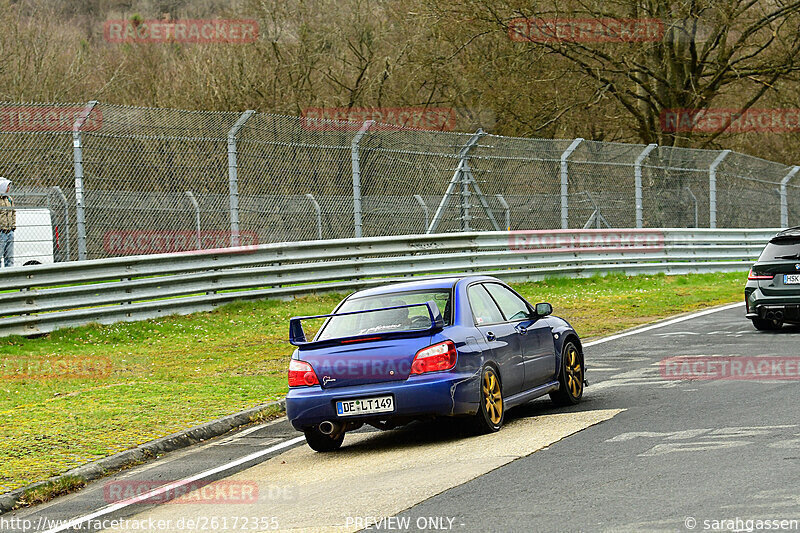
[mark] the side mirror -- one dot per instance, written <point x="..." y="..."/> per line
<point x="544" y="309"/>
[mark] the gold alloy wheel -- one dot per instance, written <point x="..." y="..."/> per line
<point x="574" y="372"/>
<point x="492" y="398"/>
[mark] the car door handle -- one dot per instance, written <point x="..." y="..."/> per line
<point x="490" y="336"/>
<point x="522" y="330"/>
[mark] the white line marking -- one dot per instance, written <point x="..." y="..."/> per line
<point x="175" y="484"/>
<point x="663" y="324"/>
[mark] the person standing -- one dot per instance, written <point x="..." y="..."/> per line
<point x="8" y="223"/>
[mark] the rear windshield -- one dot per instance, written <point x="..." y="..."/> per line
<point x="407" y="319"/>
<point x="788" y="249"/>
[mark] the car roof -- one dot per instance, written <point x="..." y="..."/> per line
<point x="446" y="282"/>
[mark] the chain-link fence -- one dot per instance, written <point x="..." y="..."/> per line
<point x="96" y="180"/>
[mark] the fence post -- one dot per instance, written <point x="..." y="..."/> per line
<point x="318" y="212"/>
<point x="233" y="175"/>
<point x="637" y="173"/>
<point x="457" y="179"/>
<point x="465" y="202"/>
<point x="565" y="182"/>
<point x="355" y="161"/>
<point x="784" y="198"/>
<point x="77" y="160"/>
<point x="712" y="189"/>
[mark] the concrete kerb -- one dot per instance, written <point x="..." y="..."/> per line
<point x="149" y="450"/>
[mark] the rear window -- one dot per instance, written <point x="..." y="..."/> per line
<point x="788" y="249"/>
<point x="407" y="319"/>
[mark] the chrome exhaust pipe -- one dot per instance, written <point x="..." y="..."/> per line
<point x="329" y="428"/>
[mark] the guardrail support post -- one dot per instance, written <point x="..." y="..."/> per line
<point x="637" y="173"/>
<point x="77" y="160"/>
<point x="318" y="212"/>
<point x="196" y="206"/>
<point x="459" y="179"/>
<point x="784" y="197"/>
<point x="233" y="175"/>
<point x="424" y="208"/>
<point x="506" y="209"/>
<point x="696" y="207"/>
<point x="355" y="160"/>
<point x="712" y="188"/>
<point x="66" y="220"/>
<point x="565" y="182"/>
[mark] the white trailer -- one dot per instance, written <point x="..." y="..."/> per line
<point x="33" y="239"/>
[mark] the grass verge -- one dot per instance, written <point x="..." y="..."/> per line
<point x="80" y="394"/>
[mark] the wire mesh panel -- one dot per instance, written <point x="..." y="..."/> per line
<point x="748" y="192"/>
<point x="164" y="180"/>
<point x="36" y="155"/>
<point x="601" y="185"/>
<point x="139" y="165"/>
<point x="399" y="163"/>
<point x="793" y="203"/>
<point x="675" y="187"/>
<point x="281" y="160"/>
<point x="525" y="173"/>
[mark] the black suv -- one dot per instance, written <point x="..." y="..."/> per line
<point x="772" y="293"/>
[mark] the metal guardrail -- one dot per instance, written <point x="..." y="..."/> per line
<point x="43" y="298"/>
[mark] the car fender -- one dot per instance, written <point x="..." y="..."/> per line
<point x="562" y="330"/>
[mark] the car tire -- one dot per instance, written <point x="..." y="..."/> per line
<point x="762" y="324"/>
<point x="491" y="408"/>
<point x="320" y="442"/>
<point x="570" y="376"/>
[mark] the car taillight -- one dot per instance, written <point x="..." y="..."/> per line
<point x="759" y="275"/>
<point x="301" y="374"/>
<point x="435" y="358"/>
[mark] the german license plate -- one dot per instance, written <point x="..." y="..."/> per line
<point x="365" y="406"/>
<point x="791" y="279"/>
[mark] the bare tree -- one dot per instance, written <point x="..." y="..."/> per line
<point x="729" y="52"/>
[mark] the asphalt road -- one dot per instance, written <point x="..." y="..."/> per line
<point x="682" y="453"/>
<point x="643" y="452"/>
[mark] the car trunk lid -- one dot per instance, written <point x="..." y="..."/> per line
<point x="370" y="361"/>
<point x="785" y="280"/>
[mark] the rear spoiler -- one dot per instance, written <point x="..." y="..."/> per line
<point x="297" y="336"/>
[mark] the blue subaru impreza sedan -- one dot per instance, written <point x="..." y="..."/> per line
<point x="466" y="346"/>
